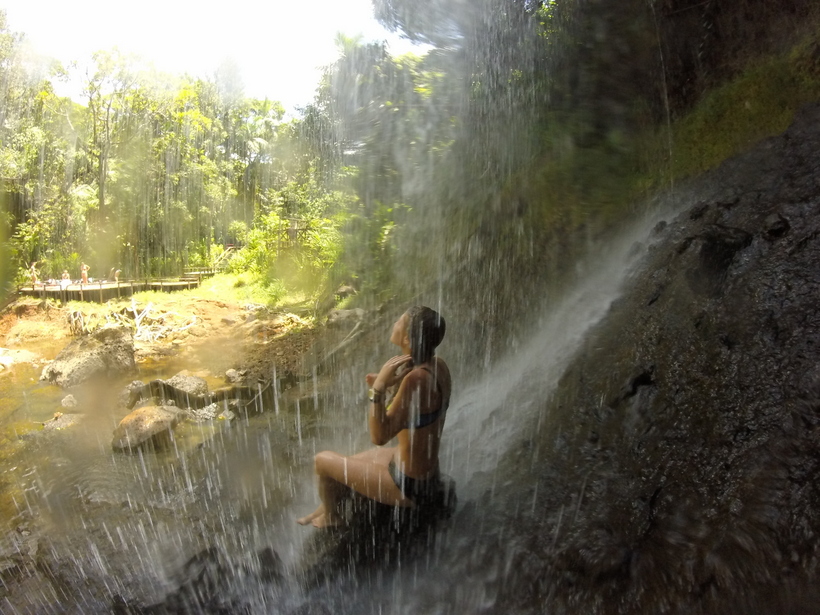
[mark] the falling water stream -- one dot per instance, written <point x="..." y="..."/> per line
<point x="210" y="522"/>
<point x="132" y="521"/>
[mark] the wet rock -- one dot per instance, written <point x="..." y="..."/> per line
<point x="232" y="376"/>
<point x="718" y="246"/>
<point x="345" y="318"/>
<point x="131" y="390"/>
<point x="210" y="582"/>
<point x="69" y="401"/>
<point x="61" y="421"/>
<point x="641" y="377"/>
<point x="203" y="585"/>
<point x="311" y="608"/>
<point x="207" y="413"/>
<point x="345" y="291"/>
<point x="271" y="567"/>
<point x="697" y="211"/>
<point x="775" y="226"/>
<point x="146" y="426"/>
<point x="710" y="363"/>
<point x="192" y="385"/>
<point x="106" y="353"/>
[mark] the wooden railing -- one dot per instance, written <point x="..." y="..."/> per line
<point x="102" y="290"/>
<point x="223" y="259"/>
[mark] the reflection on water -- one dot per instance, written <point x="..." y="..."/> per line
<point x="232" y="483"/>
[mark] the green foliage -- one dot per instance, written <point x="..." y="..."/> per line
<point x="152" y="174"/>
<point x="241" y="288"/>
<point x="522" y="112"/>
<point x="238" y="229"/>
<point x="5" y="251"/>
<point x="298" y="242"/>
<point x="760" y="103"/>
<point x="579" y="177"/>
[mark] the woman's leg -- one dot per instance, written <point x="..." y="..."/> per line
<point x="331" y="493"/>
<point x="366" y="473"/>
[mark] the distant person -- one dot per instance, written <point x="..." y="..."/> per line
<point x="406" y="475"/>
<point x="65" y="279"/>
<point x="84" y="273"/>
<point x="32" y="271"/>
<point x="117" y="275"/>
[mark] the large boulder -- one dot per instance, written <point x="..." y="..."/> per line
<point x="108" y="352"/>
<point x="147" y="426"/>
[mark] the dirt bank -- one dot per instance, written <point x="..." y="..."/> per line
<point x="252" y="339"/>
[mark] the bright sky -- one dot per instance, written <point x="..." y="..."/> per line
<point x="279" y="45"/>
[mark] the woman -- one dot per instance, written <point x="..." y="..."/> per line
<point x="406" y="475"/>
<point x="84" y="273"/>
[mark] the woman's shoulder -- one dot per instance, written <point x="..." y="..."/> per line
<point x="441" y="364"/>
<point x="433" y="367"/>
<point x="434" y="371"/>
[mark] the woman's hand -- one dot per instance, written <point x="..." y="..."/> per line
<point x="370" y="379"/>
<point x="387" y="375"/>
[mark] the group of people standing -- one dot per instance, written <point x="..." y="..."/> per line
<point x="65" y="278"/>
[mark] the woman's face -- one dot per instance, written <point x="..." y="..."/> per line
<point x="399" y="333"/>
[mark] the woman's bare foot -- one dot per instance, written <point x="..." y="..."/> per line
<point x="321" y="519"/>
<point x="308" y="518"/>
<point x="326" y="521"/>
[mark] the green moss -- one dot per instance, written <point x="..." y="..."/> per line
<point x="573" y="184"/>
<point x="760" y="103"/>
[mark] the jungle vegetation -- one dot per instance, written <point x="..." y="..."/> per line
<point x="558" y="115"/>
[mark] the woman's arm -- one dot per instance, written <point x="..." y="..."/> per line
<point x="385" y="423"/>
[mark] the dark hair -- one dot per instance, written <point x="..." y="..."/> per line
<point x="425" y="330"/>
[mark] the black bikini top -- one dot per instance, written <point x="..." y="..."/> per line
<point x="423" y="420"/>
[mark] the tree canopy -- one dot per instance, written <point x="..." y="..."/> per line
<point x="544" y="112"/>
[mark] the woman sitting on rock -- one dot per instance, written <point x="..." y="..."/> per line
<point x="406" y="475"/>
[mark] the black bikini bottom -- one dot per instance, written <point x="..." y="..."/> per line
<point x="421" y="491"/>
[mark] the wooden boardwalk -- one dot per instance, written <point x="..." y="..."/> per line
<point x="103" y="290"/>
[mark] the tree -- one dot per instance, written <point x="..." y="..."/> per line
<point x="106" y="91"/>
